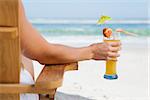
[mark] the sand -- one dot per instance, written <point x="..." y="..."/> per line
<point x="88" y="83"/>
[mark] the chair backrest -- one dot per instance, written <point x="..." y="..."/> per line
<point x="9" y="45"/>
<point x="9" y="13"/>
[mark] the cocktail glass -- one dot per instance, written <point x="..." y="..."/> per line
<point x="111" y="70"/>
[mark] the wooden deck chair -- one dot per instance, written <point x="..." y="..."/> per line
<point x="50" y="78"/>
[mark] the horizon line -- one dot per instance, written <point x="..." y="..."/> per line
<point x="86" y="21"/>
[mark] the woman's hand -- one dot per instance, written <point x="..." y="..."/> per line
<point x="105" y="51"/>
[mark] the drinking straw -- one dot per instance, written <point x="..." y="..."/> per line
<point x="126" y="32"/>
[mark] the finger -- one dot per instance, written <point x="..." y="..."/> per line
<point x="109" y="58"/>
<point x="100" y="58"/>
<point x="114" y="49"/>
<point x="113" y="54"/>
<point x="115" y="44"/>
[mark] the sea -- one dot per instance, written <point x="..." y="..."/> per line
<point x="88" y="27"/>
<point x="88" y="31"/>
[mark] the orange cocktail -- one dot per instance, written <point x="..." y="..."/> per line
<point x="111" y="72"/>
<point x="110" y="36"/>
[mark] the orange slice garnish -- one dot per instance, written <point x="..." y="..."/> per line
<point x="107" y="32"/>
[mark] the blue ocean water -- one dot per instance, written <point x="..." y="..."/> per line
<point x="49" y="29"/>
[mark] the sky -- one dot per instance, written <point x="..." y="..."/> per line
<point x="86" y="9"/>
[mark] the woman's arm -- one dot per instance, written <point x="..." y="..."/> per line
<point x="35" y="47"/>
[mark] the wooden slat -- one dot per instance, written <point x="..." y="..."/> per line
<point x="8" y="33"/>
<point x="9" y="60"/>
<point x="9" y="13"/>
<point x="9" y="97"/>
<point x="52" y="75"/>
<point x="20" y="88"/>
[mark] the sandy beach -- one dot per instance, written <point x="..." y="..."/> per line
<point x="88" y="83"/>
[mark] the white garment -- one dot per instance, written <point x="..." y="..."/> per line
<point x="26" y="78"/>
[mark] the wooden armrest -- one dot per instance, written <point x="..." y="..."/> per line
<point x="51" y="76"/>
